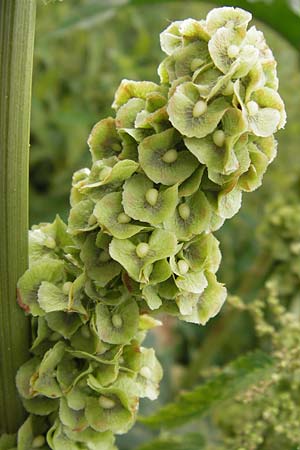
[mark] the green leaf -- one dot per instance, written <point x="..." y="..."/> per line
<point x="181" y="111"/>
<point x="191" y="185"/>
<point x="118" y="326"/>
<point x="136" y="204"/>
<point x="80" y="218"/>
<point x="40" y="405"/>
<point x="110" y="214"/>
<point x="47" y="270"/>
<point x="133" y="89"/>
<point x="196" y="220"/>
<point x="85" y="340"/>
<point x="109" y="171"/>
<point x="71" y="418"/>
<point x="149" y="375"/>
<point x="229" y="203"/>
<point x="58" y="440"/>
<point x="98" y="264"/>
<point x="150" y="295"/>
<point x="51" y="298"/>
<point x="211" y="300"/>
<point x="24" y="374"/>
<point x="34" y="427"/>
<point x="45" y="240"/>
<point x="203" y="253"/>
<point x="93" y="439"/>
<point x="45" y="382"/>
<point x="218" y="18"/>
<point x="106" y="374"/>
<point x="235" y="378"/>
<point x="67" y="372"/>
<point x="126" y="114"/>
<point x="194" y="282"/>
<point x="125" y="252"/>
<point x="109" y="412"/>
<point x="62" y="323"/>
<point x="104" y="140"/>
<point x="153" y="156"/>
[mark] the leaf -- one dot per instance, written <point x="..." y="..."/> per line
<point x="33" y="428"/>
<point x="98" y="264"/>
<point x="196" y="220"/>
<point x="94" y="439"/>
<point x="40" y="406"/>
<point x="58" y="440"/>
<point x="212" y="299"/>
<point x="155" y="148"/>
<point x="104" y="140"/>
<point x="73" y="419"/>
<point x="135" y="195"/>
<point x="108" y="212"/>
<point x="62" y="323"/>
<point x="79" y="218"/>
<point x="24" y="374"/>
<point x="47" y="270"/>
<point x="125" y="252"/>
<point x="119" y="326"/>
<point x="235" y="378"/>
<point x="218" y="18"/>
<point x="112" y="411"/>
<point x="45" y="382"/>
<point x="133" y="89"/>
<point x="109" y="171"/>
<point x="203" y="253"/>
<point x="151" y="297"/>
<point x="181" y="109"/>
<point x="194" y="282"/>
<point x="51" y="298"/>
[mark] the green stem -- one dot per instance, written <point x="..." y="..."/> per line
<point x="17" y="25"/>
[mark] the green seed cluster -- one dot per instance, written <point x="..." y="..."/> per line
<point x="173" y="163"/>
<point x="88" y="368"/>
<point x="224" y="101"/>
<point x="167" y="171"/>
<point x="280" y="237"/>
<point x="267" y="415"/>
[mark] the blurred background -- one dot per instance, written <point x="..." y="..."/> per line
<point x="84" y="48"/>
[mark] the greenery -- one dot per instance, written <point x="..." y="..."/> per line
<point x="17" y="24"/>
<point x="231" y="385"/>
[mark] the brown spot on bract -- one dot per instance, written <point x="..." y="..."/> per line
<point x="20" y="302"/>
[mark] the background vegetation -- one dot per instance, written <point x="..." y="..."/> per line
<point x="83" y="50"/>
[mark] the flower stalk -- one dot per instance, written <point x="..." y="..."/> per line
<point x="17" y="25"/>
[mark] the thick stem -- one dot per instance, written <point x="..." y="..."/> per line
<point x="17" y="24"/>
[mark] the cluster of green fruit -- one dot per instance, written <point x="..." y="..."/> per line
<point x="167" y="171"/>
